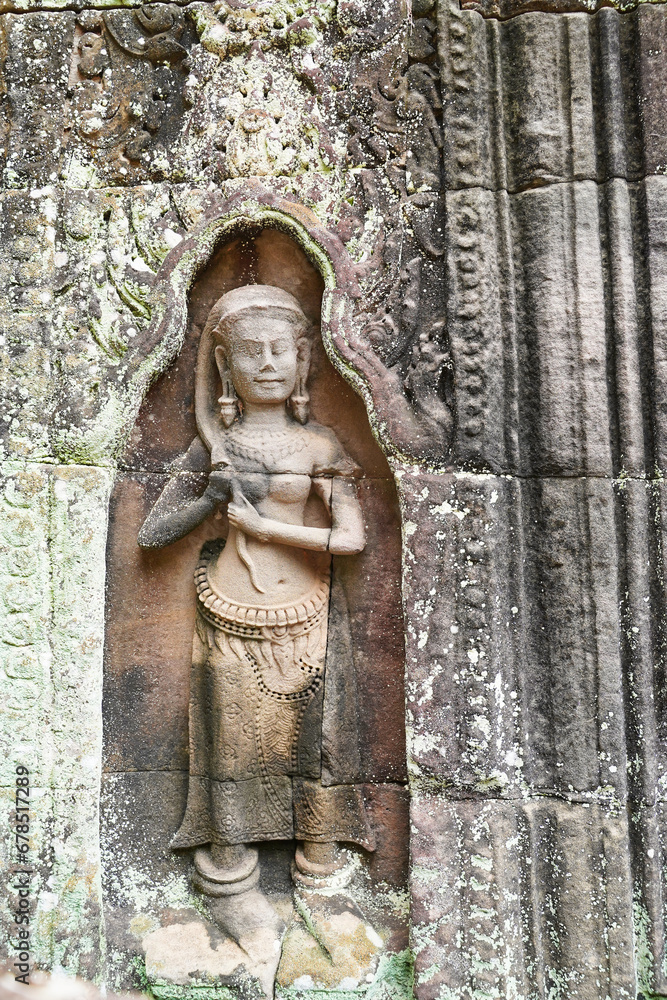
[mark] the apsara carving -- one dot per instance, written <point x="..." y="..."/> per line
<point x="273" y="752"/>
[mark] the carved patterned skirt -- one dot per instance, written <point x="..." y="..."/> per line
<point x="256" y="701"/>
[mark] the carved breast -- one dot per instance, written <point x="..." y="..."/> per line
<point x="255" y="487"/>
<point x="287" y="488"/>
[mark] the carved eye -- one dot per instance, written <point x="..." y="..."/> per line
<point x="249" y="349"/>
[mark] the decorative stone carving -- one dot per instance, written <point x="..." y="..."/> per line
<point x="229" y="29"/>
<point x="273" y="747"/>
<point x="504" y="317"/>
<point x="392" y="108"/>
<point x="260" y="138"/>
<point x="35" y="72"/>
<point x="129" y="73"/>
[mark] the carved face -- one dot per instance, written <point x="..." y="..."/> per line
<point x="262" y="358"/>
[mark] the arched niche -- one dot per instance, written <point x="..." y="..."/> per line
<point x="151" y="611"/>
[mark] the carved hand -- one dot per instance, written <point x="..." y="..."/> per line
<point x="242" y="515"/>
<point x="219" y="486"/>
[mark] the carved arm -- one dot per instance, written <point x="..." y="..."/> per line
<point x="345" y="537"/>
<point x="348" y="535"/>
<point x="244" y="517"/>
<point x="171" y="519"/>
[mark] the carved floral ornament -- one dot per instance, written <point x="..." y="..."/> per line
<point x="137" y="75"/>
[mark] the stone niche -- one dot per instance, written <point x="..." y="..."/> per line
<point x="158" y="929"/>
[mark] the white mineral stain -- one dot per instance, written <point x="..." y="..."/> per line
<point x="304" y="983"/>
<point x="482" y="723"/>
<point x="481" y="862"/>
<point x="423" y="743"/>
<point x="138" y="264"/>
<point x="446" y="508"/>
<point x="171" y="238"/>
<point x="498" y="690"/>
<point x="373" y="937"/>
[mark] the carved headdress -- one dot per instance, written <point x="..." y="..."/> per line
<point x="212" y="407"/>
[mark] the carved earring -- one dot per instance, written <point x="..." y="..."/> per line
<point x="229" y="401"/>
<point x="299" y="400"/>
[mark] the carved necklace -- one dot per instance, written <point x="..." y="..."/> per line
<point x="263" y="445"/>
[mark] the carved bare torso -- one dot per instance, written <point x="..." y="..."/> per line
<point x="275" y="477"/>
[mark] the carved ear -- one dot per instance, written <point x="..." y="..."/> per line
<point x="300" y="399"/>
<point x="303" y="350"/>
<point x="229" y="401"/>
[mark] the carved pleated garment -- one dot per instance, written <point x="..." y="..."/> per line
<point x="273" y="742"/>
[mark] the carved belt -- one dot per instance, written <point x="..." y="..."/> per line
<point x="275" y="624"/>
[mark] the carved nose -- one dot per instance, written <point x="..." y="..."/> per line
<point x="267" y="360"/>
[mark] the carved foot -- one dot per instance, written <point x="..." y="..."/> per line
<point x="226" y="871"/>
<point x="321" y="866"/>
<point x="250" y="920"/>
<point x="228" y="875"/>
<point x="329" y="944"/>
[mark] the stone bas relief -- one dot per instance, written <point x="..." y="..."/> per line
<point x="273" y="743"/>
<point x="505" y="183"/>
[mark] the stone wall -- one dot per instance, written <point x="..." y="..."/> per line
<point x="486" y="203"/>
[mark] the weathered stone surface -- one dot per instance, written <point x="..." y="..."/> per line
<point x="510" y="8"/>
<point x="553" y="607"/>
<point x="485" y="204"/>
<point x="539" y="99"/>
<point x="504" y="670"/>
<point x="551" y="372"/>
<point x="548" y="284"/>
<point x="146" y="886"/>
<point x="518" y="899"/>
<point x="55" y="987"/>
<point x="51" y="632"/>
<point x="328" y="945"/>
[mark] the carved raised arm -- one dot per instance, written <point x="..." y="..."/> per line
<point x="178" y="511"/>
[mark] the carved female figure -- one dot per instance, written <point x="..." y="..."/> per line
<point x="273" y="752"/>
